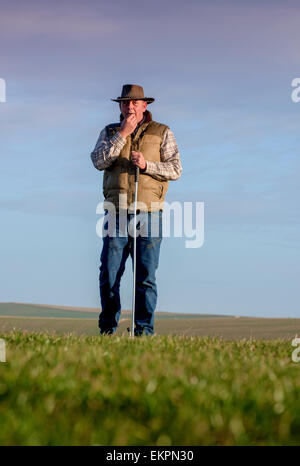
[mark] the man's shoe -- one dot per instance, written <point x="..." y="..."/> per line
<point x="142" y="332"/>
<point x="106" y="332"/>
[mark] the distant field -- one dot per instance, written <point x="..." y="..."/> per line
<point x="229" y="328"/>
<point x="81" y="321"/>
<point x="40" y="310"/>
<point x="161" y="390"/>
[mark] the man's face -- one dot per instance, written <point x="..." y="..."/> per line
<point x="136" y="107"/>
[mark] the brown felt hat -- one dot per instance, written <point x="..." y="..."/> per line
<point x="133" y="92"/>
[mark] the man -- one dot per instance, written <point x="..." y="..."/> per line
<point x="136" y="141"/>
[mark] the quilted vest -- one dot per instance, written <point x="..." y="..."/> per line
<point x="118" y="178"/>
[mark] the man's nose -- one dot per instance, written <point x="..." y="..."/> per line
<point x="131" y="104"/>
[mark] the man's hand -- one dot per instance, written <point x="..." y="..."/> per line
<point x="137" y="158"/>
<point x="128" y="125"/>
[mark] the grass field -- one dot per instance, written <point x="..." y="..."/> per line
<point x="201" y="380"/>
<point x="161" y="390"/>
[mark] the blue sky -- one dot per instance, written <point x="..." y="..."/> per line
<point x="221" y="74"/>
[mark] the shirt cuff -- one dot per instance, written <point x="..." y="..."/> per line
<point x="150" y="168"/>
<point x="118" y="140"/>
<point x="143" y="170"/>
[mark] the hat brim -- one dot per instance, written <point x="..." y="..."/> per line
<point x="149" y="100"/>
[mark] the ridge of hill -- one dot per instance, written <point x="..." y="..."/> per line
<point x="45" y="310"/>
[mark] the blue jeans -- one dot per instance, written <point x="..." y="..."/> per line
<point x="115" y="252"/>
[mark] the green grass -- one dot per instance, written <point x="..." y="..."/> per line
<point x="161" y="390"/>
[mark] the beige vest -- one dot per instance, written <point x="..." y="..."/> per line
<point x="118" y="179"/>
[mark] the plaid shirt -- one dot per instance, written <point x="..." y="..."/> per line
<point x="107" y="150"/>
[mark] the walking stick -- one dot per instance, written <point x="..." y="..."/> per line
<point x="136" y="180"/>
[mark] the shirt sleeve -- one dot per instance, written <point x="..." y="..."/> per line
<point x="107" y="150"/>
<point x="169" y="168"/>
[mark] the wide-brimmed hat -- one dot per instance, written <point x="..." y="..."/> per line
<point x="133" y="92"/>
